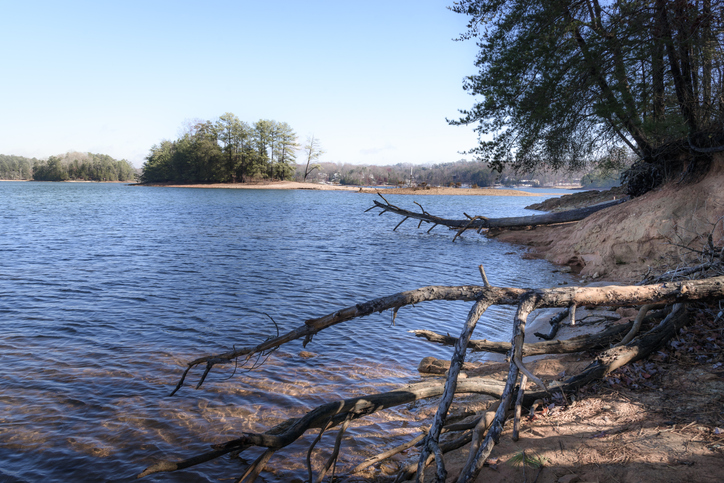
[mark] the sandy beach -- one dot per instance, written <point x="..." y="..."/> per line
<point x="295" y="185"/>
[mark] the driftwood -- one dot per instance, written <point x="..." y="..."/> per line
<point x="606" y="362"/>
<point x="480" y="222"/>
<point x="574" y="344"/>
<point x="343" y="412"/>
<point x="508" y="296"/>
<point x="327" y="416"/>
<point x="619" y="356"/>
<point x="555" y="297"/>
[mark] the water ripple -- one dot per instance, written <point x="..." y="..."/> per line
<point x="106" y="291"/>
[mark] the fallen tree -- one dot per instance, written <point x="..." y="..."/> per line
<point x="341" y="413"/>
<point x="479" y="223"/>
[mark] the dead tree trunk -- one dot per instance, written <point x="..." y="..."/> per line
<point x="480" y="222"/>
<point x="575" y="344"/>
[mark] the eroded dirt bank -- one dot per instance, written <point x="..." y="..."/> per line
<point x="622" y="242"/>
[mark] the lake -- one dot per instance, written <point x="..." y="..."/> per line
<point x="107" y="290"/>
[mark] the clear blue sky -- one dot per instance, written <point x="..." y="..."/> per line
<point x="373" y="80"/>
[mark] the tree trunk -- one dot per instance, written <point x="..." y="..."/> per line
<point x="575" y="344"/>
<point x="480" y="222"/>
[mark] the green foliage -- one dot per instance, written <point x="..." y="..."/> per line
<point x="16" y="167"/>
<point x="50" y="170"/>
<point x="529" y="459"/>
<point x="227" y="150"/>
<point x="608" y="170"/>
<point x="83" y="166"/>
<point x="285" y="151"/>
<point x="559" y="81"/>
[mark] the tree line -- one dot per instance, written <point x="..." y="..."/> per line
<point x="223" y="151"/>
<point x="68" y="166"/>
<point x="560" y="81"/>
<point x="462" y="173"/>
<point x="16" y="167"/>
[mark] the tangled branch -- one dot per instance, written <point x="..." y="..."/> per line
<point x="343" y="412"/>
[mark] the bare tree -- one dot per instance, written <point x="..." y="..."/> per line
<point x="313" y="151"/>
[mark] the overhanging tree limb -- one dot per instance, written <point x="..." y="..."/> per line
<point x="312" y="326"/>
<point x="555" y="297"/>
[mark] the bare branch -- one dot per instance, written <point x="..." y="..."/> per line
<point x="575" y="344"/>
<point x="479" y="222"/>
<point x="482" y="274"/>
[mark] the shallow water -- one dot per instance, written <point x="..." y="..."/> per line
<point x="107" y="290"/>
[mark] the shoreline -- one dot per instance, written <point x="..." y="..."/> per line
<point x="67" y="181"/>
<point x="615" y="424"/>
<point x="295" y="185"/>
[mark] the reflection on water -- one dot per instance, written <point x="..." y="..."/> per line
<point x="106" y="291"/>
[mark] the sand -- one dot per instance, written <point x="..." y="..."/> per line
<point x="295" y="185"/>
<point x="622" y="242"/>
<point x="274" y="185"/>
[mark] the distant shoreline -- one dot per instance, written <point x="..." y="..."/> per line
<point x="295" y="185"/>
<point x="69" y="181"/>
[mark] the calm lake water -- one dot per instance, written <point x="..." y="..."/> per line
<point x="107" y="290"/>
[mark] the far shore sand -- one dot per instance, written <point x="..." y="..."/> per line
<point x="294" y="185"/>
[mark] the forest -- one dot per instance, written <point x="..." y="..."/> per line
<point x="227" y="150"/>
<point x="16" y="167"/>
<point x="68" y="166"/>
<point x="463" y="173"/>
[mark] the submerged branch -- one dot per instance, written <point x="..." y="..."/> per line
<point x="327" y="416"/>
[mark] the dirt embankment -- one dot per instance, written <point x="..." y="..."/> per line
<point x="622" y="242"/>
<point x="579" y="200"/>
